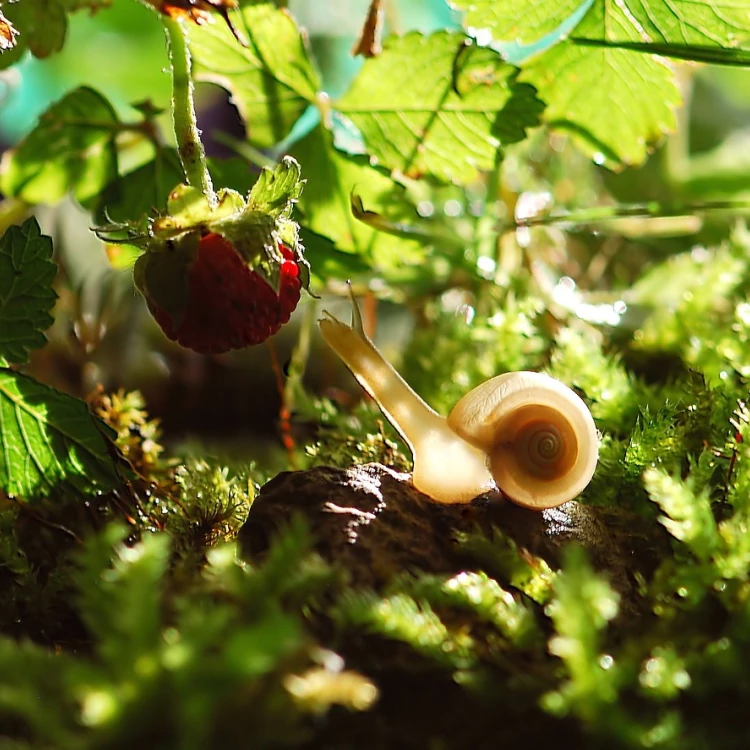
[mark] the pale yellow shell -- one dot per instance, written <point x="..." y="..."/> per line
<point x="539" y="436"/>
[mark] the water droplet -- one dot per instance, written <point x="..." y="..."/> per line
<point x="483" y="36"/>
<point x="681" y="680"/>
<point x="452" y="208"/>
<point x="486" y="266"/>
<point x="467" y="312"/>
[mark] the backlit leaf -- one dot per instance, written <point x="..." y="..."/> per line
<point x="433" y="106"/>
<point x="613" y="102"/>
<point x="602" y="85"/>
<point x="49" y="438"/>
<point x="722" y="23"/>
<point x="520" y="20"/>
<point x="140" y="192"/>
<point x="72" y="149"/>
<point x="730" y="56"/>
<point x="277" y="191"/>
<point x="272" y="80"/>
<point x="145" y="190"/>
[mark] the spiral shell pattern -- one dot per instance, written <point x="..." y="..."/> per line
<point x="539" y="436"/>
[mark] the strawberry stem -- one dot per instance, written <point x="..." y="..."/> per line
<point x="189" y="144"/>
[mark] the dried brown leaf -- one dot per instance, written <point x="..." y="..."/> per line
<point x="369" y="42"/>
<point x="8" y="34"/>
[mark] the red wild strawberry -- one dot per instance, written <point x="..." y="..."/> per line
<point x="206" y="296"/>
<point x="225" y="273"/>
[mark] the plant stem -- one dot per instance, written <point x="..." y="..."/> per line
<point x="651" y="210"/>
<point x="189" y="144"/>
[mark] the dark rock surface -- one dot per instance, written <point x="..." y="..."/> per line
<point x="371" y="520"/>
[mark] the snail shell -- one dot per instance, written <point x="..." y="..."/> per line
<point x="523" y="432"/>
<point x="539" y="436"/>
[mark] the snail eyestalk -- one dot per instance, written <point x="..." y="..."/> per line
<point x="189" y="145"/>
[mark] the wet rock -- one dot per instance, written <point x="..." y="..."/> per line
<point x="371" y="521"/>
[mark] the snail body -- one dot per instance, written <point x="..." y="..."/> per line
<point x="524" y="433"/>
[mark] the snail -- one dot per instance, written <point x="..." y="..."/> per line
<point x="524" y="433"/>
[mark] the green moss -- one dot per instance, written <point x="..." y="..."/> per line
<point x="458" y="349"/>
<point x="359" y="436"/>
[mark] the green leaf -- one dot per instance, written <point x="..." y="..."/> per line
<point x="26" y="294"/>
<point x="721" y="23"/>
<point x="433" y="106"/>
<point x="277" y="191"/>
<point x="668" y="26"/>
<point x="72" y="149"/>
<point x="326" y="202"/>
<point x="612" y="101"/>
<point x="42" y="25"/>
<point x="326" y="262"/>
<point x="521" y="21"/>
<point x="234" y="173"/>
<point x="272" y="81"/>
<point x="11" y="55"/>
<point x="48" y="438"/>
